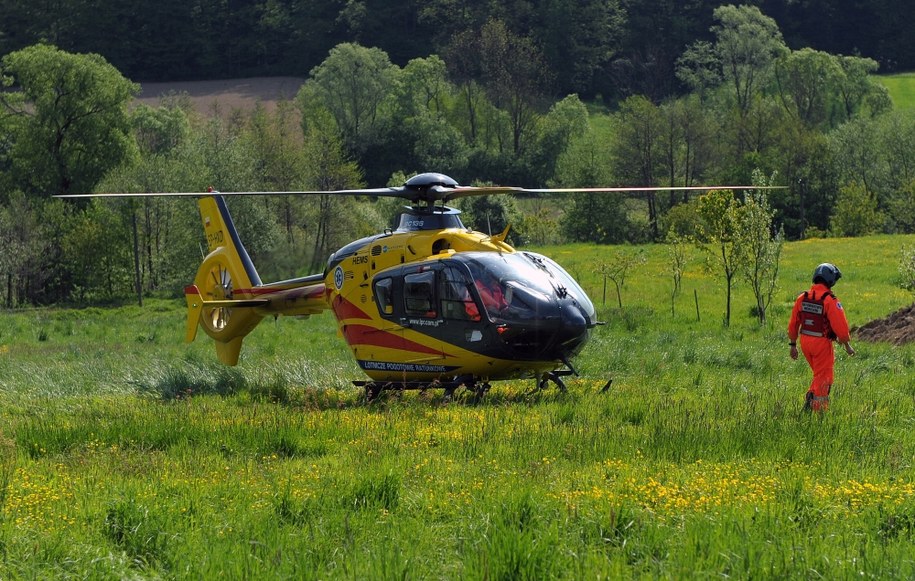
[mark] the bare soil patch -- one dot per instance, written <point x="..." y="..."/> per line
<point x="897" y="328"/>
<point x="225" y="96"/>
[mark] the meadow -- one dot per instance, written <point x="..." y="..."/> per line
<point x="901" y="87"/>
<point x="125" y="453"/>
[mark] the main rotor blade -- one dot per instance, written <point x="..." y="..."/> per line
<point x="429" y="194"/>
<point x="462" y="191"/>
<point x="394" y="192"/>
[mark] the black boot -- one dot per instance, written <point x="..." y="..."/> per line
<point x="808" y="398"/>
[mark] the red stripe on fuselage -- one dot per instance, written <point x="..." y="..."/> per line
<point x="344" y="309"/>
<point x="365" y="335"/>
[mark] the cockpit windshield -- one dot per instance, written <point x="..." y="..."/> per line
<point x="519" y="285"/>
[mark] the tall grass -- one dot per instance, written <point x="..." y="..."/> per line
<point x="126" y="453"/>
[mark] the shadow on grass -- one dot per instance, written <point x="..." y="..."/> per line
<point x="179" y="383"/>
<point x="193" y="379"/>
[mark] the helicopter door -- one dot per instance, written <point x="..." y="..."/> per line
<point x="419" y="295"/>
<point x="457" y="301"/>
<point x="422" y="318"/>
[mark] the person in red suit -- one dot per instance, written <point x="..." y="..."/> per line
<point x="819" y="320"/>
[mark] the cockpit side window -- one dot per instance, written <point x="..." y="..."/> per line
<point x="419" y="294"/>
<point x="457" y="302"/>
<point x="384" y="296"/>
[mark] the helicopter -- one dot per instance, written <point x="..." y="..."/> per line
<point x="428" y="304"/>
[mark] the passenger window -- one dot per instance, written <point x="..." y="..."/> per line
<point x="384" y="296"/>
<point x="419" y="298"/>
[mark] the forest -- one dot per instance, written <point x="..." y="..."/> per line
<point x="594" y="48"/>
<point x="491" y="100"/>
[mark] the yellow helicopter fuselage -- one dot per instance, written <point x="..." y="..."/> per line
<point x="411" y="303"/>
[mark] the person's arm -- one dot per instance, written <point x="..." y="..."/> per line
<point x="839" y="324"/>
<point x="794" y="324"/>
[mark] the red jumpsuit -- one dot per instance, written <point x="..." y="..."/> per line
<point x="817" y="331"/>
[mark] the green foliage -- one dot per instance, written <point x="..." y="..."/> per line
<point x="746" y="42"/>
<point x="492" y="214"/>
<point x="718" y="235"/>
<point x="600" y="218"/>
<point x="807" y="81"/>
<point x="762" y="246"/>
<point x="159" y="130"/>
<point x="96" y="245"/>
<point x="25" y="244"/>
<point x="479" y="113"/>
<point x="856" y="212"/>
<point x="71" y="124"/>
<point x="540" y="225"/>
<point x="566" y="121"/>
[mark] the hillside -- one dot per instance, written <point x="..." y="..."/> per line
<point x="226" y="95"/>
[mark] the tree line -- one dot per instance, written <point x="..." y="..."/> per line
<point x="609" y="48"/>
<point x="814" y="122"/>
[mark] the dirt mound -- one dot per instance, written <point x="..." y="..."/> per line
<point x="897" y="328"/>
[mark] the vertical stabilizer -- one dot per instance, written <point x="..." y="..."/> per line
<point x="220" y="233"/>
<point x="220" y="300"/>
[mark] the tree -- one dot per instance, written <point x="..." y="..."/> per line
<point x="856" y="212"/>
<point x="579" y="42"/>
<point x="597" y="218"/>
<point x="906" y="268"/>
<point x="699" y="69"/>
<point x="566" y="121"/>
<point x="423" y="111"/>
<point x="747" y="42"/>
<point x="511" y="70"/>
<point x="492" y="214"/>
<point x="161" y="129"/>
<point x="327" y="168"/>
<point x="746" y="45"/>
<point x="20" y="239"/>
<point x="352" y="84"/>
<point x="718" y="236"/>
<point x="653" y="36"/>
<point x="857" y="151"/>
<point x="685" y="143"/>
<point x="858" y="88"/>
<point x="761" y="246"/>
<point x="676" y="252"/>
<point x="95" y="244"/>
<point x="636" y="150"/>
<point x="70" y="121"/>
<point x="616" y="268"/>
<point x="585" y="161"/>
<point x="806" y="163"/>
<point x="807" y="81"/>
<point x="902" y="209"/>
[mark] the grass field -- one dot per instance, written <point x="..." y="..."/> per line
<point x="125" y="453"/>
<point x="901" y="88"/>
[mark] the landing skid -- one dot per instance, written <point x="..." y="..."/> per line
<point x="373" y="389"/>
<point x="556" y="378"/>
